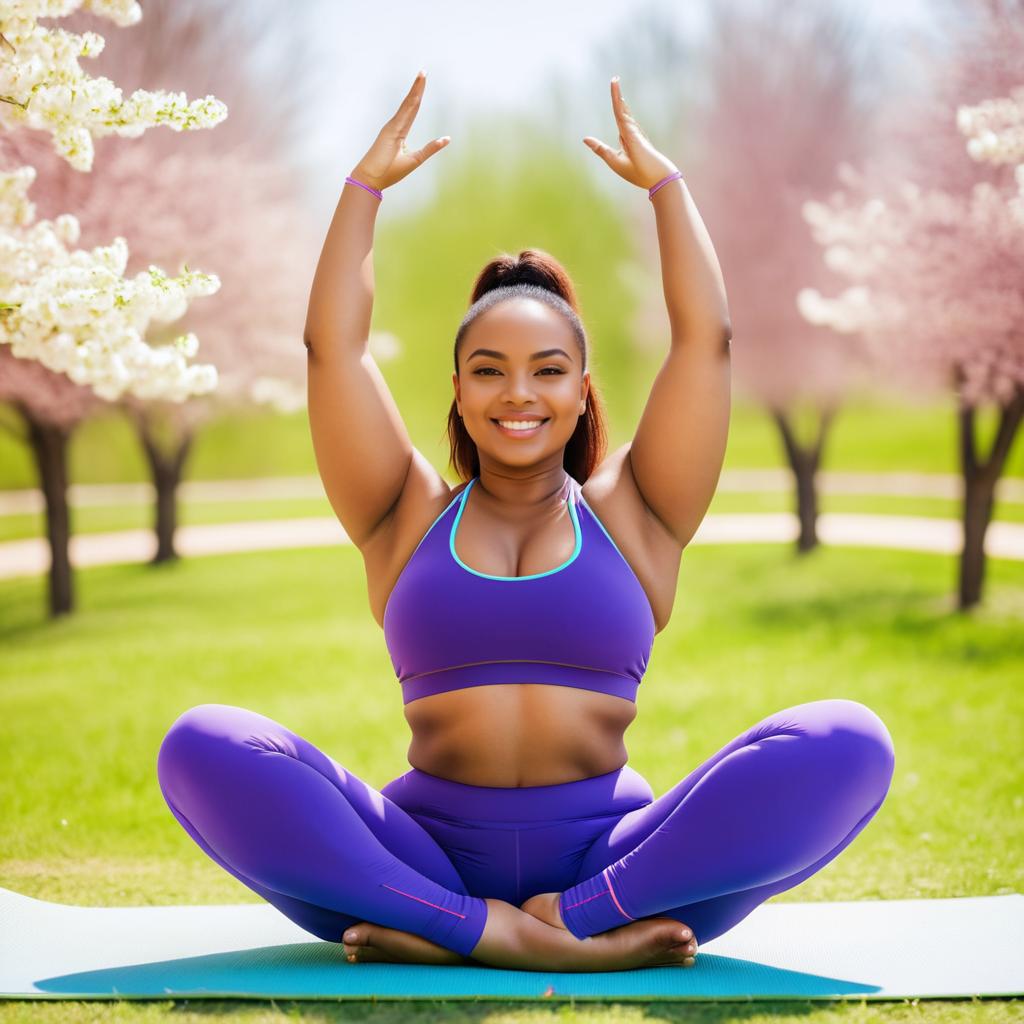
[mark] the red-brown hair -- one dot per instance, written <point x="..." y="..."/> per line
<point x="537" y="275"/>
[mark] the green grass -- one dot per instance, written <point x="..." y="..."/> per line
<point x="85" y="702"/>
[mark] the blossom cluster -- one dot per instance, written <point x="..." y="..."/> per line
<point x="995" y="131"/>
<point x="76" y="313"/>
<point x="42" y="85"/>
<point x="73" y="310"/>
<point x="995" y="128"/>
<point x="936" y="276"/>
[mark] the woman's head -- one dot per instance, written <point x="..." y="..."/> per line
<point x="522" y="309"/>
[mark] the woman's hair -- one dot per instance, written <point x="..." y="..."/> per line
<point x="533" y="274"/>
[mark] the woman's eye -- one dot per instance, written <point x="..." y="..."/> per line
<point x="484" y="369"/>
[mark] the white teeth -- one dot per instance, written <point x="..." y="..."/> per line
<point x="520" y="424"/>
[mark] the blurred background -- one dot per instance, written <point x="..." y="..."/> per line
<point x="867" y="536"/>
<point x="766" y="108"/>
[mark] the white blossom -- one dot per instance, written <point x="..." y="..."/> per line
<point x="75" y="312"/>
<point x="42" y="85"/>
<point x="70" y="309"/>
<point x="995" y="129"/>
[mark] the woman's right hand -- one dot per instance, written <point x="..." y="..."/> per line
<point x="386" y="161"/>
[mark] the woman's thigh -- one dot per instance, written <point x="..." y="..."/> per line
<point x="220" y="772"/>
<point x="730" y="836"/>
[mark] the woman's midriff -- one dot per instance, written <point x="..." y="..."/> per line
<point x="522" y="734"/>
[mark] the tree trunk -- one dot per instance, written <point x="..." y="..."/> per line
<point x="805" y="462"/>
<point x="979" y="486"/>
<point x="49" y="446"/>
<point x="166" y="470"/>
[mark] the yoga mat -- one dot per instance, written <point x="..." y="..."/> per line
<point x="870" y="949"/>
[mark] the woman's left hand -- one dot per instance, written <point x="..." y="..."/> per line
<point x="638" y="161"/>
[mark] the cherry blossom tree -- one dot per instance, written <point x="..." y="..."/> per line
<point x="247" y="218"/>
<point x="248" y="221"/>
<point x="782" y="101"/>
<point x="932" y="243"/>
<point x="73" y="310"/>
<point x="231" y="204"/>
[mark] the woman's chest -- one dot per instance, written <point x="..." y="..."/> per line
<point x="514" y="553"/>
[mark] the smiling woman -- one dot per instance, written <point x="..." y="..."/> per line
<point x="519" y="610"/>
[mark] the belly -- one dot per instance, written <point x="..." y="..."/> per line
<point x="522" y="734"/>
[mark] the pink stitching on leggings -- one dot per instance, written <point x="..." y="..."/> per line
<point x="604" y="875"/>
<point x="607" y="882"/>
<point x="428" y="903"/>
<point x="587" y="900"/>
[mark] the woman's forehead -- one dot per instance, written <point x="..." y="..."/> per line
<point x="519" y="322"/>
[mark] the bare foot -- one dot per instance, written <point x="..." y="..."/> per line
<point x="512" y="937"/>
<point x="373" y="942"/>
<point x="544" y="906"/>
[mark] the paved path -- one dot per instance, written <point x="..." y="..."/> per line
<point x="931" y="485"/>
<point x="916" y="533"/>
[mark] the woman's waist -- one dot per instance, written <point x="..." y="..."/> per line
<point x="606" y="795"/>
<point x="537" y="708"/>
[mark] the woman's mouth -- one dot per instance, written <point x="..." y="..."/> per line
<point x="516" y="428"/>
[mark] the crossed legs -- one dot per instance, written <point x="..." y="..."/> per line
<point x="764" y="813"/>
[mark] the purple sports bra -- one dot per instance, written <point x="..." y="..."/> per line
<point x="587" y="623"/>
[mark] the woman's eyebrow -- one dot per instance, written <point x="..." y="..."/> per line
<point x="501" y="355"/>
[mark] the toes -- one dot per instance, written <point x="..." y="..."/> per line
<point x="367" y="954"/>
<point x="681" y="950"/>
<point x="680" y="956"/>
<point x="672" y="935"/>
<point x="356" y="942"/>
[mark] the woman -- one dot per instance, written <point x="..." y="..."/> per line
<point x="519" y="609"/>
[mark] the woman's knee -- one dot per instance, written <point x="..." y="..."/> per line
<point x="855" y="741"/>
<point x="201" y="732"/>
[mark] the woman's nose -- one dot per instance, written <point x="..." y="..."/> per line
<point x="519" y="387"/>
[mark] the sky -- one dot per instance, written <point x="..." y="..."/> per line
<point x="479" y="58"/>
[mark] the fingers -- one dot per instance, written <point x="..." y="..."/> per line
<point x="406" y="113"/>
<point x="618" y="103"/>
<point x="623" y="115"/>
<point x="613" y="159"/>
<point x="430" y="149"/>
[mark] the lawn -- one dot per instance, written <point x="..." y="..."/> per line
<point x="85" y="702"/>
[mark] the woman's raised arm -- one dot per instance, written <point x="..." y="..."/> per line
<point x="677" y="452"/>
<point x="362" y="448"/>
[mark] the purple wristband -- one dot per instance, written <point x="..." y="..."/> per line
<point x="352" y="181"/>
<point x="664" y="181"/>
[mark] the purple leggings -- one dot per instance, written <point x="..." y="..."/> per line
<point x="765" y="812"/>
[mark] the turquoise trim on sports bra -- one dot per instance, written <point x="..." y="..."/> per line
<point x="593" y="515"/>
<point x="511" y="579"/>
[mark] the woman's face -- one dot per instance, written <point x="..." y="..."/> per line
<point x="520" y="361"/>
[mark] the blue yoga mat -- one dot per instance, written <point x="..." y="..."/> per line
<point x="871" y="949"/>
